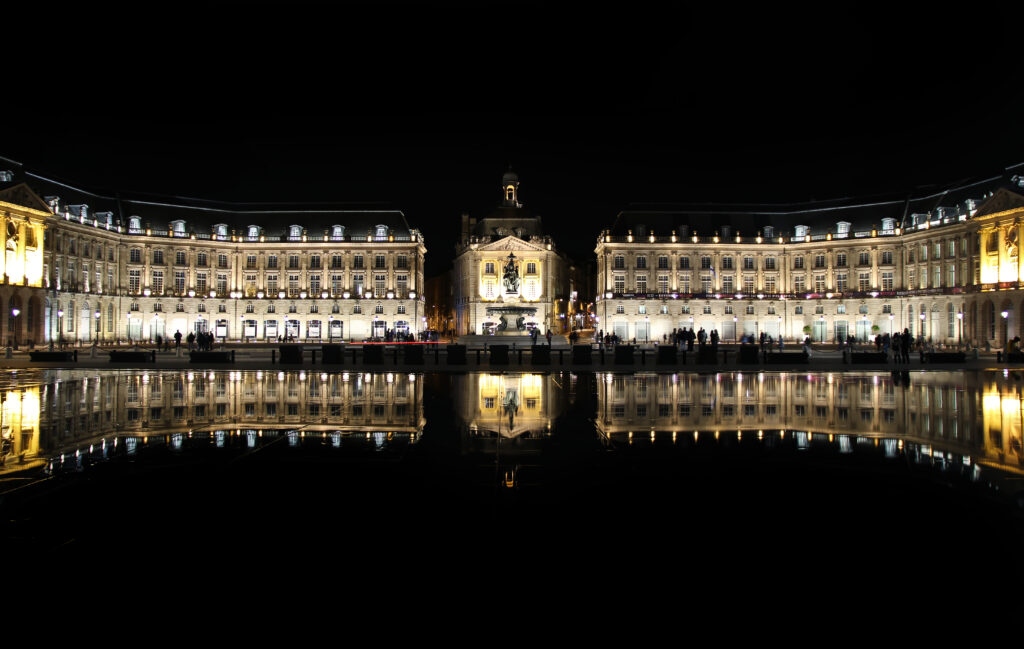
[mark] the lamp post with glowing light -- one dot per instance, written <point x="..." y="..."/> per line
<point x="1006" y="328"/>
<point x="128" y="327"/>
<point x="97" y="314"/>
<point x="960" y="331"/>
<point x="14" y="321"/>
<point x="735" y="334"/>
<point x="891" y="316"/>
<point x="60" y="328"/>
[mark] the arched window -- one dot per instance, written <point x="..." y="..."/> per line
<point x="510" y="193"/>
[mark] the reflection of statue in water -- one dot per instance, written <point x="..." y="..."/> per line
<point x="511" y="276"/>
<point x="511" y="405"/>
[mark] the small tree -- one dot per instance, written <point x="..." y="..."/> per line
<point x="807" y="330"/>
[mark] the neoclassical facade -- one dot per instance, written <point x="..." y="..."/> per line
<point x="944" y="266"/>
<point x="506" y="260"/>
<point x="116" y="268"/>
<point x="22" y="296"/>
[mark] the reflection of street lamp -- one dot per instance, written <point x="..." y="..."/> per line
<point x="241" y="328"/>
<point x="960" y="332"/>
<point x="330" y="322"/>
<point x="734" y="332"/>
<point x="891" y="316"/>
<point x="128" y="327"/>
<point x="97" y="314"/>
<point x="14" y="314"/>
<point x="60" y="327"/>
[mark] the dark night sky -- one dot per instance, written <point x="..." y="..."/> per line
<point x="424" y="108"/>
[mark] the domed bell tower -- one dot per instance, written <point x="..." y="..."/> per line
<point x="510" y="189"/>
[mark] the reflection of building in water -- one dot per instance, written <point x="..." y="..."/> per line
<point x="85" y="405"/>
<point x="963" y="413"/>
<point x="20" y="425"/>
<point x="509" y="405"/>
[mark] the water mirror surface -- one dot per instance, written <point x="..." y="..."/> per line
<point x="921" y="462"/>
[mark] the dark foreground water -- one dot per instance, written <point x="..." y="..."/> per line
<point x="630" y="479"/>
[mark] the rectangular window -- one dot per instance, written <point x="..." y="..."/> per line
<point x="705" y="262"/>
<point x="179" y="282"/>
<point x="620" y="283"/>
<point x="222" y="283"/>
<point x="531" y="268"/>
<point x="336" y="285"/>
<point x="272" y="285"/>
<point x="380" y="283"/>
<point x="840" y="260"/>
<point x="314" y="261"/>
<point x="222" y="261"/>
<point x="887" y="281"/>
<point x="641" y="261"/>
<point x="357" y="283"/>
<point x="357" y="261"/>
<point x="887" y="257"/>
<point x="402" y="261"/>
<point x="133" y="280"/>
<point x="135" y="256"/>
<point x="798" y="262"/>
<point x="619" y="262"/>
<point x="641" y="283"/>
<point x="335" y="262"/>
<point x="951" y="277"/>
<point x="663" y="283"/>
<point x="380" y="261"/>
<point x="684" y="263"/>
<point x="726" y="263"/>
<point x="250" y="261"/>
<point x="158" y="282"/>
<point x="769" y="263"/>
<point x="864" y="281"/>
<point x="158" y="256"/>
<point x="910" y="279"/>
<point x="748" y="283"/>
<point x="684" y="283"/>
<point x="819" y="261"/>
<point x="840" y="282"/>
<point x="663" y="262"/>
<point x="314" y="284"/>
<point x="705" y="283"/>
<point x="489" y="268"/>
<point x="293" y="262"/>
<point x="937" y="277"/>
<point x="402" y="285"/>
<point x="200" y="259"/>
<point x="201" y="283"/>
<point x="864" y="259"/>
<point x="293" y="286"/>
<point x="819" y="283"/>
<point x="727" y="284"/>
<point x="799" y="283"/>
<point x="179" y="258"/>
<point x="271" y="261"/>
<point x="769" y="284"/>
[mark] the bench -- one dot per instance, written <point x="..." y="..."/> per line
<point x="858" y="358"/>
<point x="581" y="355"/>
<point x="787" y="358"/>
<point x="456" y="355"/>
<point x="412" y="354"/>
<point x="290" y="354"/>
<point x="667" y="355"/>
<point x="950" y="357"/>
<point x="211" y="357"/>
<point x="53" y="357"/>
<point x="540" y="355"/>
<point x="623" y="354"/>
<point x="132" y="357"/>
<point x="332" y="354"/>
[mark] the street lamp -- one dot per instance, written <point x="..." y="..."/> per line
<point x="1006" y="332"/>
<point x="241" y="328"/>
<point x="330" y="322"/>
<point x="14" y="313"/>
<point x="960" y="332"/>
<point x="97" y="314"/>
<point x="60" y="327"/>
<point x="891" y="316"/>
<point x="734" y="332"/>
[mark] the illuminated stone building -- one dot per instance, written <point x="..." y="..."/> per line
<point x="510" y="234"/>
<point x="125" y="267"/>
<point x="942" y="264"/>
<point x="22" y="296"/>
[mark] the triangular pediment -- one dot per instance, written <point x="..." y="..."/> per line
<point x="24" y="196"/>
<point x="512" y="243"/>
<point x="1003" y="200"/>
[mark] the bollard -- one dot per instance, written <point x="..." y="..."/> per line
<point x="643" y="356"/>
<point x="478" y="357"/>
<point x="520" y="357"/>
<point x="602" y="355"/>
<point x="273" y="356"/>
<point x="232" y="356"/>
<point x="436" y="352"/>
<point x="154" y="355"/>
<point x="560" y="357"/>
<point x="999" y="357"/>
<point x="313" y="355"/>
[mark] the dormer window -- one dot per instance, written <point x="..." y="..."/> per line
<point x="842" y="229"/>
<point x="220" y="231"/>
<point x="800" y="231"/>
<point x="134" y="224"/>
<point x="381" y="232"/>
<point x="888" y="224"/>
<point x="178" y="227"/>
<point x="768" y="232"/>
<point x="295" y="232"/>
<point x="337" y="232"/>
<point x="254" y="232"/>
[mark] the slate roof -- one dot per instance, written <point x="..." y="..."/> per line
<point x="821" y="217"/>
<point x="201" y="215"/>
